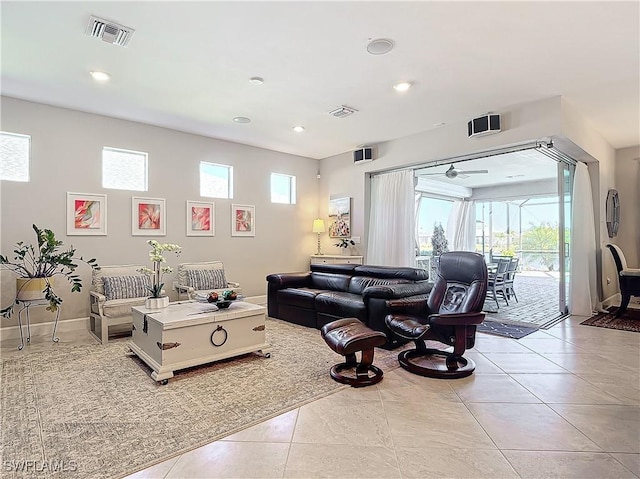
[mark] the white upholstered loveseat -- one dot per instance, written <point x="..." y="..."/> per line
<point x="202" y="278"/>
<point x="114" y="291"/>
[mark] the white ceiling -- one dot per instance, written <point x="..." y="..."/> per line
<point x="506" y="168"/>
<point x="188" y="64"/>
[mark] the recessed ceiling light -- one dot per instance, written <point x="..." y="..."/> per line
<point x="402" y="86"/>
<point x="256" y="80"/>
<point x="242" y="119"/>
<point x="298" y="129"/>
<point x="380" y="46"/>
<point x="100" y="76"/>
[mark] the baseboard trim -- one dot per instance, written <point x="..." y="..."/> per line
<point x="44" y="329"/>
<point x="611" y="301"/>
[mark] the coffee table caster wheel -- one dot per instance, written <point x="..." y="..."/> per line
<point x="163" y="382"/>
<point x="267" y="355"/>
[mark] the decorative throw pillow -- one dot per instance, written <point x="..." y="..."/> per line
<point x="122" y="287"/>
<point x="200" y="279"/>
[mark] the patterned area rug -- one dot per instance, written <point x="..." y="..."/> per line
<point x="507" y="330"/>
<point x="629" y="321"/>
<point x="93" y="411"/>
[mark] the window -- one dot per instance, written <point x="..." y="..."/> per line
<point x="124" y="169"/>
<point x="283" y="189"/>
<point x="15" y="153"/>
<point x="216" y="180"/>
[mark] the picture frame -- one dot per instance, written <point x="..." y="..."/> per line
<point x="340" y="217"/>
<point x="200" y="218"/>
<point x="243" y="220"/>
<point x="86" y="214"/>
<point x="148" y="216"/>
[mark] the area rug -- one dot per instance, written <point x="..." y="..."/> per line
<point x="93" y="411"/>
<point x="507" y="330"/>
<point x="629" y="321"/>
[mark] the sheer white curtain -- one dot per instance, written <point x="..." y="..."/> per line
<point x="392" y="220"/>
<point x="461" y="226"/>
<point x="582" y="282"/>
<point x="418" y="202"/>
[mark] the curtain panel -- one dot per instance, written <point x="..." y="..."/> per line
<point x="582" y="254"/>
<point x="392" y="220"/>
<point x="461" y="226"/>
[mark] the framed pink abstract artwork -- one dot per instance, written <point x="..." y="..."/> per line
<point x="200" y="218"/>
<point x="148" y="217"/>
<point x="86" y="214"/>
<point x="243" y="220"/>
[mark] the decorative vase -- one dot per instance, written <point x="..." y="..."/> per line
<point x="28" y="289"/>
<point x="155" y="303"/>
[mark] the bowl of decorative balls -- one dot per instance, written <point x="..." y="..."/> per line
<point x="222" y="301"/>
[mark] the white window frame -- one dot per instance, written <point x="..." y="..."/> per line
<point x="291" y="200"/>
<point x="229" y="170"/>
<point x="109" y="149"/>
<point x="22" y="166"/>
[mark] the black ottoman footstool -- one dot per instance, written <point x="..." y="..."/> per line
<point x="347" y="337"/>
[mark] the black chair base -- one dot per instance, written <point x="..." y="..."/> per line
<point x="624" y="304"/>
<point x="453" y="367"/>
<point x="361" y="378"/>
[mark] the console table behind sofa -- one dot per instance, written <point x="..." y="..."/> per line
<point x="333" y="291"/>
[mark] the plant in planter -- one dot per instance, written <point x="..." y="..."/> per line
<point x="158" y="271"/>
<point x="36" y="268"/>
<point x="345" y="243"/>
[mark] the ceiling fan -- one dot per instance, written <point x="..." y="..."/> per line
<point x="454" y="172"/>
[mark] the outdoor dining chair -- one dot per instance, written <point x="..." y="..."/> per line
<point x="497" y="281"/>
<point x="509" y="277"/>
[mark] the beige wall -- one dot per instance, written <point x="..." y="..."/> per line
<point x="66" y="157"/>
<point x="66" y="149"/>
<point x="340" y="175"/>
<point x="628" y="185"/>
<point x="552" y="118"/>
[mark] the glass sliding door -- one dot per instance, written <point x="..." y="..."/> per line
<point x="565" y="186"/>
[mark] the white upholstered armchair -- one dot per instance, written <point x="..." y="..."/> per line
<point x="114" y="291"/>
<point x="202" y="278"/>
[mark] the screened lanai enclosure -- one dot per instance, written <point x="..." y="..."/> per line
<point x="509" y="207"/>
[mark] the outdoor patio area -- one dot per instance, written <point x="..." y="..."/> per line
<point x="537" y="304"/>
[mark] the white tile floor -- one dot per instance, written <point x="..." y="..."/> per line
<point x="560" y="403"/>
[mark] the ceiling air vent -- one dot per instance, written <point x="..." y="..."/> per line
<point x="109" y="32"/>
<point x="342" y="111"/>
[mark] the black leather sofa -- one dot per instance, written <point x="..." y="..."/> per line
<point x="333" y="291"/>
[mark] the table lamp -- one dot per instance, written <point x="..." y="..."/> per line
<point x="318" y="227"/>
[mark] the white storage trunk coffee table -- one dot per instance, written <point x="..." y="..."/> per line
<point x="190" y="333"/>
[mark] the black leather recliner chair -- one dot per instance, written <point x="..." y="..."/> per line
<point x="449" y="315"/>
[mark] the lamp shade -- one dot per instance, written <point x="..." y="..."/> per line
<point x="318" y="226"/>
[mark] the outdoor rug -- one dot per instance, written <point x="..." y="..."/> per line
<point x="505" y="329"/>
<point x="93" y="411"/>
<point x="629" y="321"/>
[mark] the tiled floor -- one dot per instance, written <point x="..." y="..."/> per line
<point x="560" y="403"/>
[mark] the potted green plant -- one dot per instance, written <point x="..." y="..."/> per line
<point x="36" y="267"/>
